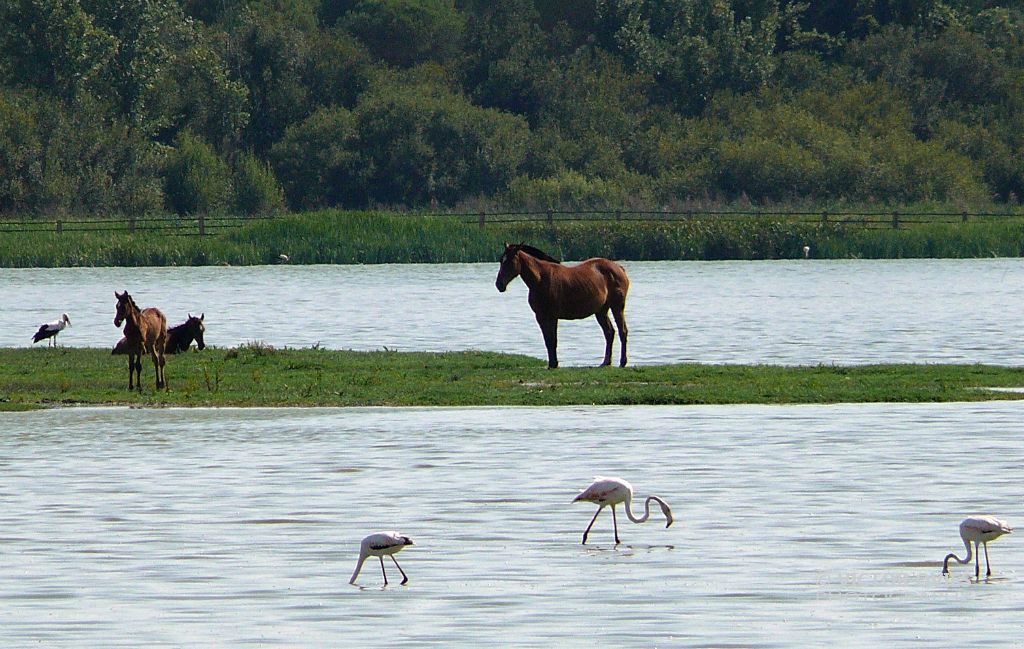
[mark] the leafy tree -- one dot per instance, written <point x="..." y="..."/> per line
<point x="270" y="54"/>
<point x="141" y="61"/>
<point x="55" y="159"/>
<point x="52" y="45"/>
<point x="318" y="163"/>
<point x="134" y="74"/>
<point x="407" y="32"/>
<point x="693" y="48"/>
<point x="507" y="64"/>
<point x="201" y="96"/>
<point x="107" y="105"/>
<point x="592" y="93"/>
<point x="338" y="68"/>
<point x="1002" y="168"/>
<point x="939" y="77"/>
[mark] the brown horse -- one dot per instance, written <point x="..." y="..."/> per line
<point x="591" y="288"/>
<point x="179" y="337"/>
<point x="145" y="331"/>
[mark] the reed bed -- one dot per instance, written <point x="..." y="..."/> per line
<point x="336" y="237"/>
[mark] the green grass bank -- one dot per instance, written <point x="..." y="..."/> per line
<point x="260" y="376"/>
<point x="336" y="237"/>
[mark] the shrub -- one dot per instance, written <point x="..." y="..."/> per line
<point x="567" y="190"/>
<point x="197" y="179"/>
<point x="316" y="162"/>
<point x="419" y="143"/>
<point x="57" y="158"/>
<point x="256" y="190"/>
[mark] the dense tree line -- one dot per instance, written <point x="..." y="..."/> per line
<point x="252" y="106"/>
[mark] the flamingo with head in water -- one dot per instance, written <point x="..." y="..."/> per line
<point x="978" y="530"/>
<point x="606" y="492"/>
<point x="378" y="545"/>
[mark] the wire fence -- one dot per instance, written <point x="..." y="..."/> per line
<point x="868" y="219"/>
<point x="202" y="225"/>
<point x="199" y="225"/>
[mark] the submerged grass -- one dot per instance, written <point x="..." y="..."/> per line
<point x="258" y="375"/>
<point x="337" y="237"/>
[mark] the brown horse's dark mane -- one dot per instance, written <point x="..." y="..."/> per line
<point x="132" y="304"/>
<point x="536" y="252"/>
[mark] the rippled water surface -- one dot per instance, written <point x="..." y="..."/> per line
<point x="795" y="526"/>
<point x="802" y="312"/>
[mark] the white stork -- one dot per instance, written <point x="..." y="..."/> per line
<point x="51" y="329"/>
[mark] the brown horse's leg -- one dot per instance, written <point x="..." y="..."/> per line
<point x="549" y="327"/>
<point x="136" y="370"/>
<point x="620" y="322"/>
<point x="609" y="335"/>
<point x="156" y="367"/>
<point x="131" y="371"/>
<point x="160" y="362"/>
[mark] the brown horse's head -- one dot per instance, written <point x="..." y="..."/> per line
<point x="197" y="328"/>
<point x="509" y="269"/>
<point x="125" y="304"/>
<point x="510" y="262"/>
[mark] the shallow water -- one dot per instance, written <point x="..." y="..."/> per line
<point x="789" y="312"/>
<point x="810" y="525"/>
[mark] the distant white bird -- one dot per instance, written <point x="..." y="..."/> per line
<point x="51" y="329"/>
<point x="378" y="545"/>
<point x="612" y="491"/>
<point x="283" y="258"/>
<point x="807" y="252"/>
<point x="978" y="530"/>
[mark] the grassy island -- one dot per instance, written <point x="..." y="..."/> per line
<point x="258" y="375"/>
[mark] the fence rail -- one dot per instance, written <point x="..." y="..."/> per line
<point x="870" y="219"/>
<point x="171" y="225"/>
<point x="204" y="225"/>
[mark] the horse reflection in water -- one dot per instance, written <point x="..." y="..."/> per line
<point x="591" y="288"/>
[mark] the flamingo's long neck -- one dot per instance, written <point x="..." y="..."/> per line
<point x="967" y="559"/>
<point x="359" y="566"/>
<point x="647" y="510"/>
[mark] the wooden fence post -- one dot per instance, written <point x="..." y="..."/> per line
<point x="895" y="220"/>
<point x="202" y="225"/>
<point x="483" y="219"/>
<point x="131" y="224"/>
<point x="824" y="217"/>
<point x="963" y="216"/>
<point x="551" y="216"/>
<point x="60" y="227"/>
<point x="618" y="215"/>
